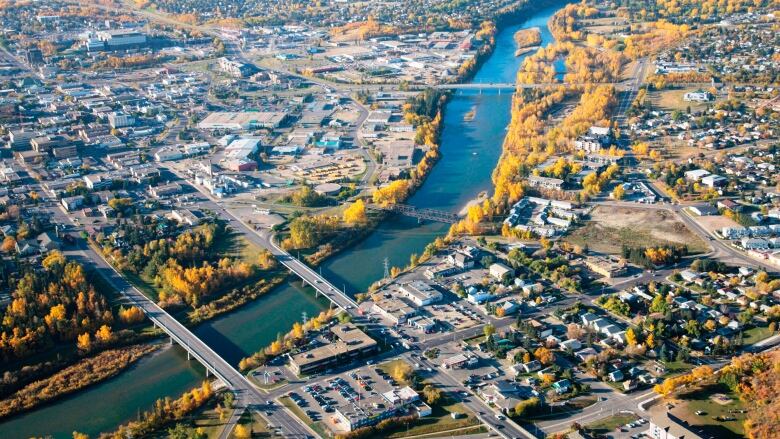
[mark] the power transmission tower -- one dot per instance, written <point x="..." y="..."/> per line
<point x="387" y="268"/>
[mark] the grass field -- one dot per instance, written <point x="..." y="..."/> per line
<point x="611" y="227"/>
<point x="701" y="400"/>
<point x="440" y="420"/>
<point x="606" y="425"/>
<point x="673" y="99"/>
<point x="756" y="334"/>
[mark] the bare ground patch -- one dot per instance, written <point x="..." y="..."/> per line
<point x="715" y="222"/>
<point x="610" y="228"/>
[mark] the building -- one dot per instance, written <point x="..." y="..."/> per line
<point x="696" y="174"/>
<point x="667" y="426"/>
<point x="703" y="209"/>
<point x="34" y="56"/>
<point x="500" y="271"/>
<point x="20" y="140"/>
<point x="349" y="343"/>
<point x="234" y="121"/>
<point x="120" y="120"/>
<point x="72" y="203"/>
<point x="420" y="293"/>
<point x="118" y="39"/>
<point x="606" y="266"/>
<point x="545" y="182"/>
<point x="714" y="180"/>
<point x="375" y="408"/>
<point x="395" y="310"/>
<point x="697" y="96"/>
<point x="235" y="68"/>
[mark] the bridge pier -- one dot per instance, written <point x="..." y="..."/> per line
<point x="188" y="355"/>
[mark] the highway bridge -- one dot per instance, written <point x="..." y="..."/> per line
<point x="419" y="213"/>
<point x="508" y="86"/>
<point x="246" y="394"/>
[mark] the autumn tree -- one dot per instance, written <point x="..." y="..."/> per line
<point x="544" y="355"/>
<point x="355" y="213"/>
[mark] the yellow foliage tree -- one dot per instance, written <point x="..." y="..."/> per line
<point x="355" y="213"/>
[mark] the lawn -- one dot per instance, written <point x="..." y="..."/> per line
<point x="606" y="425"/>
<point x="700" y="400"/>
<point x="756" y="334"/>
<point x="673" y="99"/>
<point x="676" y="368"/>
<point x="439" y="420"/>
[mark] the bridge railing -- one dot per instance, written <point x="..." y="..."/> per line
<point x="308" y="270"/>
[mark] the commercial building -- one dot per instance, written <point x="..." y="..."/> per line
<point x="235" y="68"/>
<point x="243" y="120"/>
<point x="420" y="293"/>
<point x="374" y="408"/>
<point x="606" y="266"/>
<point x="349" y="343"/>
<point x="120" y="120"/>
<point x="115" y="39"/>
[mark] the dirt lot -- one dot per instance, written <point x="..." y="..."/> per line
<point x="611" y="227"/>
<point x="715" y="222"/>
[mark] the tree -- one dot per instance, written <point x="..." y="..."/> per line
<point x="84" y="342"/>
<point x="130" y="315"/>
<point x="432" y="394"/>
<point x="77" y="435"/>
<point x="488" y="330"/>
<point x="297" y="331"/>
<point x="401" y="371"/>
<point x="631" y="337"/>
<point x="393" y="193"/>
<point x="265" y="259"/>
<point x="355" y="213"/>
<point x="9" y="244"/>
<point x="544" y="355"/>
<point x="241" y="432"/>
<point x="618" y="193"/>
<point x="524" y="408"/>
<point x="104" y="334"/>
<point x="574" y="331"/>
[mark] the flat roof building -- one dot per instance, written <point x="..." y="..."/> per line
<point x="243" y="120"/>
<point x="420" y="293"/>
<point x="350" y="343"/>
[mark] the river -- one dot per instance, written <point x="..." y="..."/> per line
<point x="470" y="150"/>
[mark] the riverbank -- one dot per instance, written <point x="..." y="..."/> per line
<point x="76" y="377"/>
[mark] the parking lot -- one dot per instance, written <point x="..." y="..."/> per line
<point x="360" y="390"/>
<point x="456" y="315"/>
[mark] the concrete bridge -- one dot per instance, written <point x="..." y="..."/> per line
<point x="246" y="394"/>
<point x="508" y="86"/>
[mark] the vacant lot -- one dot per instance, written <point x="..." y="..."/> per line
<point x="673" y="99"/>
<point x="715" y="222"/>
<point x="610" y="228"/>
